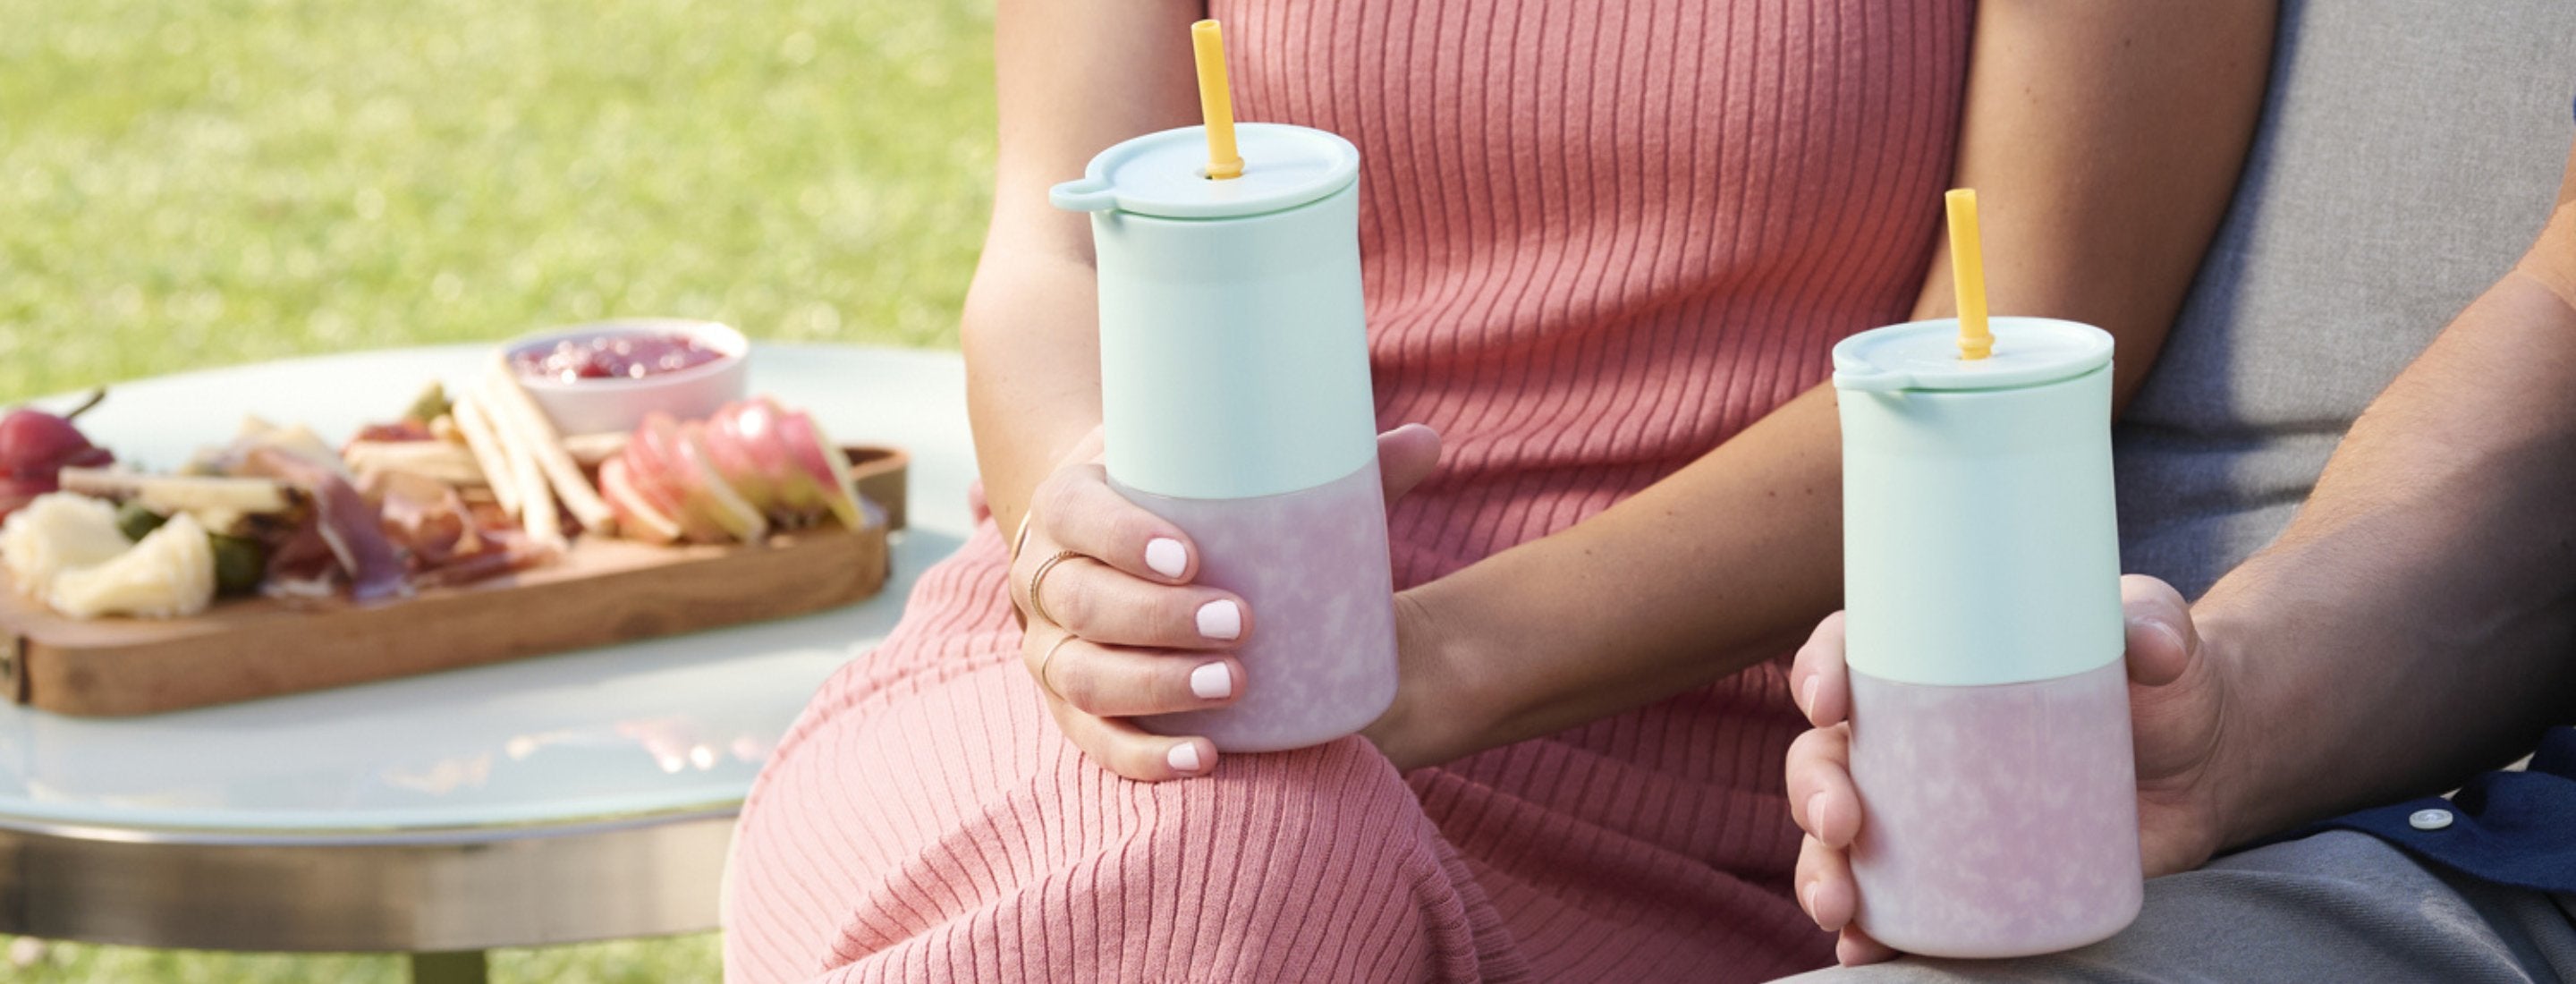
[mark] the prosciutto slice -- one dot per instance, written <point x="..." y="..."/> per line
<point x="301" y="565"/>
<point x="400" y="430"/>
<point x="346" y="522"/>
<point x="425" y="518"/>
<point x="444" y="540"/>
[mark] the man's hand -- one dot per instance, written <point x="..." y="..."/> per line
<point x="2178" y="710"/>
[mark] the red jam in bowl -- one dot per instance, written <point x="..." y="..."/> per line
<point x="620" y="356"/>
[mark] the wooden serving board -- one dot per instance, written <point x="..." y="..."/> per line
<point x="602" y="591"/>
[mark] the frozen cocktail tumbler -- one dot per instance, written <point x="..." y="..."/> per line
<point x="1990" y="716"/>
<point x="1235" y="402"/>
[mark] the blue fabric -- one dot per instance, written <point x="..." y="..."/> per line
<point x="2510" y="828"/>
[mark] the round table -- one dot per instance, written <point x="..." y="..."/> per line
<point x="576" y="797"/>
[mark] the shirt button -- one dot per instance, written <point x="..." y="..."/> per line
<point x="2429" y="819"/>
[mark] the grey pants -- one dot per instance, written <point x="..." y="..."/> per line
<point x="2334" y="907"/>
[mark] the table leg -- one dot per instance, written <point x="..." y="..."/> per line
<point x="454" y="967"/>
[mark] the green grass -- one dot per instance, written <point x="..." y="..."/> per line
<point x="190" y="183"/>
<point x="677" y="959"/>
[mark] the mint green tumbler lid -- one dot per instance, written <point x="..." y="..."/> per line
<point x="1980" y="540"/>
<point x="1924" y="355"/>
<point x="1233" y="336"/>
<point x="1165" y="174"/>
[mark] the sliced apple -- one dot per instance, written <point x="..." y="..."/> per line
<point x="650" y="483"/>
<point x="711" y="494"/>
<point x="742" y="441"/>
<point x="733" y="476"/>
<point x="637" y="519"/>
<point x="824" y="472"/>
<point x="657" y="469"/>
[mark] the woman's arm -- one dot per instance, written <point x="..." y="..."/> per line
<point x="2417" y="622"/>
<point x="1115" y="625"/>
<point x="2104" y="141"/>
<point x="1071" y="78"/>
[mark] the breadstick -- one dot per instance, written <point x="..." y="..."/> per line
<point x="487" y="453"/>
<point x="537" y="502"/>
<point x="593" y="449"/>
<point x="438" y="460"/>
<point x="513" y="410"/>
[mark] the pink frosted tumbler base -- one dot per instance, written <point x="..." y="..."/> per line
<point x="1312" y="566"/>
<point x="1998" y="820"/>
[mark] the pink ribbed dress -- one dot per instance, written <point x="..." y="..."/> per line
<point x="1599" y="239"/>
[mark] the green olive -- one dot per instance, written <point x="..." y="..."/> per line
<point x="431" y="404"/>
<point x="137" y="522"/>
<point x="239" y="563"/>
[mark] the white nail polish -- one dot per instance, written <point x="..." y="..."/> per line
<point x="1166" y="556"/>
<point x="1184" y="757"/>
<point x="1212" y="682"/>
<point x="1221" y="619"/>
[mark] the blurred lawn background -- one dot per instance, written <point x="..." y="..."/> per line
<point x="188" y="183"/>
<point x="191" y="183"/>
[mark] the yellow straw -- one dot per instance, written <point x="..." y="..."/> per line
<point x="1968" y="275"/>
<point x="1215" y="103"/>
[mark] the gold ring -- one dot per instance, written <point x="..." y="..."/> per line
<point x="1049" y="657"/>
<point x="1037" y="582"/>
<point x="1020" y="540"/>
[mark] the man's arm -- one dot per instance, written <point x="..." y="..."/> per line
<point x="2417" y="621"/>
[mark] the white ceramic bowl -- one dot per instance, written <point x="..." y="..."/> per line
<point x="592" y="406"/>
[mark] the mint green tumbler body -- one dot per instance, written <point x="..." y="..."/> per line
<point x="1990" y="714"/>
<point x="1235" y="402"/>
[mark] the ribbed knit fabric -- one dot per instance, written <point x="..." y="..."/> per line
<point x="1599" y="239"/>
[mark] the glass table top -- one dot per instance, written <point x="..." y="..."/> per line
<point x="667" y="724"/>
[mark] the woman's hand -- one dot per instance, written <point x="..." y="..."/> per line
<point x="2178" y="712"/>
<point x="1117" y="629"/>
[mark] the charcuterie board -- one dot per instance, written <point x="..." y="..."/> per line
<point x="602" y="591"/>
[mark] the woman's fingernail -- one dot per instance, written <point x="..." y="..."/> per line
<point x="1816" y="814"/>
<point x="1807" y="695"/>
<point x="1212" y="682"/>
<point x="1184" y="757"/>
<point x="1810" y="896"/>
<point x="1221" y="619"/>
<point x="1166" y="556"/>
